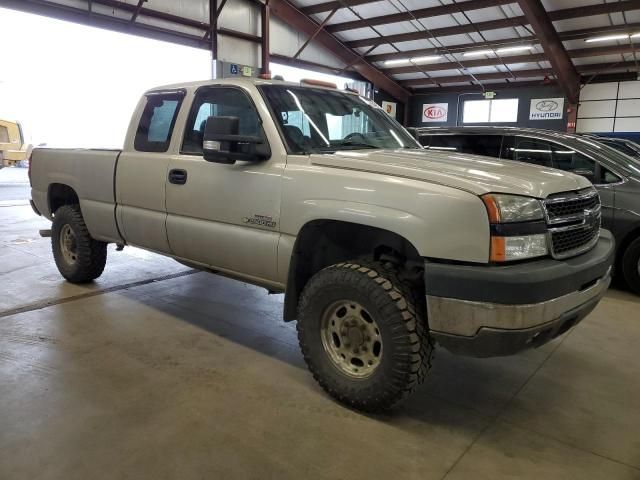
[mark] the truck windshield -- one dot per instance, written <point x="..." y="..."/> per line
<point x="315" y="120"/>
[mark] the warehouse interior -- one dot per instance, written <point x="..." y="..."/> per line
<point x="169" y="369"/>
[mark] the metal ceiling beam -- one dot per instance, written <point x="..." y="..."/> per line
<point x="584" y="70"/>
<point x="439" y="32"/>
<point x="566" y="72"/>
<point x="463" y="47"/>
<point x="564" y="36"/>
<point x="420" y="13"/>
<point x="485" y="62"/>
<point x="314" y="34"/>
<point x="328" y="6"/>
<point x="538" y="72"/>
<point x="137" y="10"/>
<point x="301" y="22"/>
<point x="564" y="14"/>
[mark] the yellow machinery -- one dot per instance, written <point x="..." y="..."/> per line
<point x="13" y="150"/>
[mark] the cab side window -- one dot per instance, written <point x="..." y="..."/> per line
<point x="529" y="150"/>
<point x="157" y="122"/>
<point x="219" y="101"/>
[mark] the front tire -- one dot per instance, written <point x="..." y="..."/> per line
<point x="79" y="258"/>
<point x="631" y="265"/>
<point x="363" y="334"/>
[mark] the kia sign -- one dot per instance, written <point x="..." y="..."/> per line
<point x="546" y="109"/>
<point x="434" y="112"/>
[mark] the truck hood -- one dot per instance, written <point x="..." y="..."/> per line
<point x="473" y="173"/>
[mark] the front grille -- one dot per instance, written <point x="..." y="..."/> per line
<point x="573" y="220"/>
<point x="575" y="206"/>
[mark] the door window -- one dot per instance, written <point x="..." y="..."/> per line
<point x="529" y="150"/>
<point x="219" y="101"/>
<point x="157" y="121"/>
<point x="569" y="160"/>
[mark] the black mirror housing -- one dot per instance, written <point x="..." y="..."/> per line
<point x="223" y="144"/>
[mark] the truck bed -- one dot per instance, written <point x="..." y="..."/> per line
<point x="90" y="173"/>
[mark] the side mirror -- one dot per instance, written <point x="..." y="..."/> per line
<point x="223" y="144"/>
<point x="586" y="173"/>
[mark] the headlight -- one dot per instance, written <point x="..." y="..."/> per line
<point x="512" y="208"/>
<point x="518" y="230"/>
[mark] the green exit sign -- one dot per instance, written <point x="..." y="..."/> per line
<point x="489" y="94"/>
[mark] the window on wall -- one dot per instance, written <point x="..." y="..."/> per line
<point x="490" y="111"/>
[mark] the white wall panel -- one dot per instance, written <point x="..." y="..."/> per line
<point x="627" y="124"/>
<point x="585" y="125"/>
<point x="241" y="16"/>
<point x="597" y="108"/>
<point x="629" y="89"/>
<point x="599" y="91"/>
<point x="238" y="51"/>
<point x="628" y="108"/>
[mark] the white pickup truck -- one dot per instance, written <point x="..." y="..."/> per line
<point x="381" y="248"/>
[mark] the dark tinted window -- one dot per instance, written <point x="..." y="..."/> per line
<point x="608" y="176"/>
<point x="529" y="150"/>
<point x="227" y="102"/>
<point x="156" y="125"/>
<point x="571" y="161"/>
<point x="488" y="145"/>
<point x="621" y="147"/>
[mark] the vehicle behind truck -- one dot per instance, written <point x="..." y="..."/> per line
<point x="381" y="248"/>
<point x="614" y="174"/>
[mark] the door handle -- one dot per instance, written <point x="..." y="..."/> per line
<point x="178" y="176"/>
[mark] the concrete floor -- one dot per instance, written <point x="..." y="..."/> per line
<point x="155" y="371"/>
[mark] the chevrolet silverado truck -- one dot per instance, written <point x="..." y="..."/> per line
<point x="382" y="249"/>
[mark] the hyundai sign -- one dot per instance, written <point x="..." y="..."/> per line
<point x="546" y="109"/>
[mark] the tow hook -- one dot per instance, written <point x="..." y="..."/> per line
<point x="45" y="233"/>
<point x="119" y="247"/>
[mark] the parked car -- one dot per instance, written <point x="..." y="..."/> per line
<point x="615" y="175"/>
<point x="380" y="247"/>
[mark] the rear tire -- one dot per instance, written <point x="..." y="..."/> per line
<point x="363" y="333"/>
<point x="79" y="258"/>
<point x="631" y="266"/>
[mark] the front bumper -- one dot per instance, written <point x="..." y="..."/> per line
<point x="486" y="311"/>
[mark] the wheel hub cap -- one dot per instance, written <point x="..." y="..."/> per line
<point x="351" y="339"/>
<point x="68" y="244"/>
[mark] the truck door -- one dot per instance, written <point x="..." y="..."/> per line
<point x="141" y="173"/>
<point x="224" y="216"/>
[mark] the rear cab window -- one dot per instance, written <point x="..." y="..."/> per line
<point x="157" y="121"/>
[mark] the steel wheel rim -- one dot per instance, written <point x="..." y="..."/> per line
<point x="68" y="245"/>
<point x="351" y="338"/>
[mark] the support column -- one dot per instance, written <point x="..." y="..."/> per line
<point x="266" y="57"/>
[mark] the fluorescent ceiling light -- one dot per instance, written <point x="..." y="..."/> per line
<point x="635" y="35"/>
<point x="425" y="59"/>
<point x="477" y="52"/>
<point x="514" y="49"/>
<point x="622" y="36"/>
<point x="395" y="62"/>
